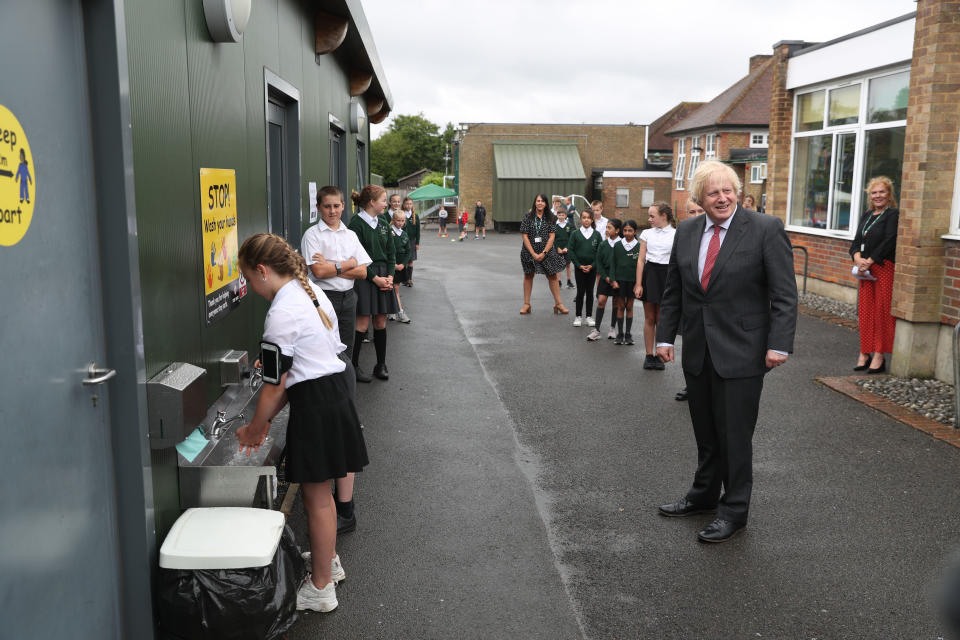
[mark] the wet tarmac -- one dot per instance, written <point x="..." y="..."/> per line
<point x="516" y="470"/>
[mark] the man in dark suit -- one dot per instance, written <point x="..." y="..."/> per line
<point x="731" y="289"/>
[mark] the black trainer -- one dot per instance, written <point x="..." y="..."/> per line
<point x="361" y="376"/>
<point x="619" y="339"/>
<point x="627" y="338"/>
<point x="648" y="362"/>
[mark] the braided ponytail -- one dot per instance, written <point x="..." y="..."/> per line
<point x="301" y="275"/>
<point x="273" y="250"/>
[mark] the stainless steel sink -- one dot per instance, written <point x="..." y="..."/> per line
<point x="221" y="475"/>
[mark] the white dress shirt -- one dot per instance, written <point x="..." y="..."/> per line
<point x="295" y="326"/>
<point x="335" y="246"/>
<point x="705" y="240"/>
<point x="600" y="224"/>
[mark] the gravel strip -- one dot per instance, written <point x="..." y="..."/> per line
<point x="829" y="305"/>
<point x="930" y="398"/>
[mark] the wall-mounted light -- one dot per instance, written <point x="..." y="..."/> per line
<point x="358" y="117"/>
<point x="226" y="19"/>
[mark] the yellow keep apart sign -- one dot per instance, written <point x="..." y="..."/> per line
<point x="223" y="284"/>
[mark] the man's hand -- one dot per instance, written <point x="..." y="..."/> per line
<point x="318" y="257"/>
<point x="774" y="359"/>
<point x="665" y="354"/>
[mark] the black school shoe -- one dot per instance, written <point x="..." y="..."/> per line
<point x="648" y="362"/>
<point x="346" y="525"/>
<point x="361" y="375"/>
<point x="380" y="371"/>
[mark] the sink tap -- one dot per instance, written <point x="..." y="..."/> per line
<point x="222" y="421"/>
<point x="256" y="378"/>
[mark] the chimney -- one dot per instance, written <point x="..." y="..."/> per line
<point x="757" y="60"/>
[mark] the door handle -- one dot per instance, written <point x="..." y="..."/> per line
<point x="95" y="375"/>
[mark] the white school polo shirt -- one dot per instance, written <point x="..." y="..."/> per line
<point x="335" y="246"/>
<point x="659" y="243"/>
<point x="294" y="324"/>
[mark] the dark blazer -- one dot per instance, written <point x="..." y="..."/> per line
<point x="750" y="305"/>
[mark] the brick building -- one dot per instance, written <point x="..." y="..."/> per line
<point x="883" y="100"/>
<point x="598" y="146"/>
<point x="733" y="127"/>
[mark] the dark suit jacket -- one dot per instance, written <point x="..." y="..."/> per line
<point x="750" y="304"/>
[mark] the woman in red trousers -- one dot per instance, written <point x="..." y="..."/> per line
<point x="874" y="251"/>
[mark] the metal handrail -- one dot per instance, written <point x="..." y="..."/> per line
<point x="956" y="376"/>
<point x="806" y="263"/>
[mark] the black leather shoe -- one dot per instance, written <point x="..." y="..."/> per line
<point x="683" y="508"/>
<point x="346" y="525"/>
<point x="720" y="530"/>
<point x="681" y="395"/>
<point x="381" y="372"/>
<point x="361" y="376"/>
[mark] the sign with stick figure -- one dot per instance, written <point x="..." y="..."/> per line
<point x="18" y="188"/>
<point x="223" y="284"/>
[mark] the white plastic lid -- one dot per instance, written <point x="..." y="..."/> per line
<point x="222" y="538"/>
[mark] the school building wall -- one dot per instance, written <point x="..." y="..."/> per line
<point x="598" y="145"/>
<point x="636" y="211"/>
<point x="726" y="140"/>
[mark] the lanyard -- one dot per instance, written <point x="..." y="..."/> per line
<point x="537" y="222"/>
<point x="869" y="224"/>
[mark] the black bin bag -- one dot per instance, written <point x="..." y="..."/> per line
<point x="233" y="604"/>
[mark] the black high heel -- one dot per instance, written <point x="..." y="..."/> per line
<point x="881" y="369"/>
<point x="866" y="365"/>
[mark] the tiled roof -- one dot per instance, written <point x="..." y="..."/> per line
<point x="746" y="103"/>
<point x="657" y="138"/>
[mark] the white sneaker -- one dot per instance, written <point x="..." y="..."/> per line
<point x="578" y="321"/>
<point x="337" y="574"/>
<point x="403" y="317"/>
<point x="590" y="322"/>
<point x="391" y="316"/>
<point x="593" y="336"/>
<point x="612" y="334"/>
<point x="310" y="597"/>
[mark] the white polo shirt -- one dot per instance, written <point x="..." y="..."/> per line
<point x="294" y="324"/>
<point x="334" y="246"/>
<point x="659" y="243"/>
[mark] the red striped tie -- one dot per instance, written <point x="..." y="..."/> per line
<point x="712" y="250"/>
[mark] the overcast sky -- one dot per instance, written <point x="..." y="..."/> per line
<point x="596" y="61"/>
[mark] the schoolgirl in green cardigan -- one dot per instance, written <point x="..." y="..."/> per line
<point x="562" y="239"/>
<point x="605" y="289"/>
<point x="582" y="250"/>
<point x="401" y="244"/>
<point x="413" y="232"/>
<point x="624" y="269"/>
<point x="375" y="297"/>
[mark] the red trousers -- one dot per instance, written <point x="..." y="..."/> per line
<point x="876" y="323"/>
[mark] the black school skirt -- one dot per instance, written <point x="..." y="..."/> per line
<point x="604" y="289"/>
<point x="371" y="300"/>
<point x="324" y="439"/>
<point x="654" y="282"/>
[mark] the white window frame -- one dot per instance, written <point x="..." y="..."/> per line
<point x="764" y="141"/>
<point x="860" y="129"/>
<point x="955" y="208"/>
<point x="694" y="155"/>
<point x="681" y="161"/>
<point x="710" y="148"/>
<point x="622" y="198"/>
<point x="758" y="173"/>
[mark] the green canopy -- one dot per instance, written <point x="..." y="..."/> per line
<point x="431" y="192"/>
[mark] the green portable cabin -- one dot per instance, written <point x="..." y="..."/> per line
<point x="523" y="169"/>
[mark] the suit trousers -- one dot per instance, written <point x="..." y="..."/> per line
<point x="724" y="415"/>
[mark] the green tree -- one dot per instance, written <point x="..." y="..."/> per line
<point x="433" y="178"/>
<point x="410" y="143"/>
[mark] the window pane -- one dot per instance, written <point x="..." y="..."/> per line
<point x="811" y="181"/>
<point x="810" y="111"/>
<point x="884" y="157"/>
<point x="844" y="105"/>
<point x="887" y="100"/>
<point x="843" y="181"/>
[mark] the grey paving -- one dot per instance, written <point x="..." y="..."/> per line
<point x="516" y="470"/>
